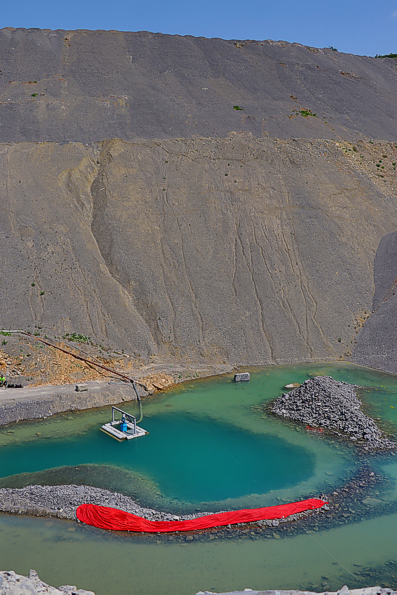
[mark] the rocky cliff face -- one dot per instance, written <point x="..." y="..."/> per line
<point x="377" y="346"/>
<point x="230" y="247"/>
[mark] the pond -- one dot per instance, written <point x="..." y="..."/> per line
<point x="211" y="446"/>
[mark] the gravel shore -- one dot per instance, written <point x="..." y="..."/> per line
<point x="61" y="502"/>
<point x="327" y="404"/>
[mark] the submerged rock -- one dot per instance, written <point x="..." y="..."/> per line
<point x="327" y="404"/>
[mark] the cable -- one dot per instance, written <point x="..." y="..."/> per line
<point x="336" y="560"/>
<point x="87" y="361"/>
<point x="79" y="357"/>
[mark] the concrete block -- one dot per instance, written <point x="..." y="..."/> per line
<point x="242" y="377"/>
<point x="81" y="387"/>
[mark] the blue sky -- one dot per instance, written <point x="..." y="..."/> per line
<point x="353" y="26"/>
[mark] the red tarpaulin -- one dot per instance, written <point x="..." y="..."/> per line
<point x="118" y="520"/>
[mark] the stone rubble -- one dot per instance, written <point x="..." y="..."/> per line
<point x="61" y="502"/>
<point x="16" y="584"/>
<point x="325" y="403"/>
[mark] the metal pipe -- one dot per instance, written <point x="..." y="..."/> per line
<point x="83" y="359"/>
<point x="91" y="363"/>
<point x="139" y="402"/>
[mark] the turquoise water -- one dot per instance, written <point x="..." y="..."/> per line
<point x="189" y="459"/>
<point x="211" y="445"/>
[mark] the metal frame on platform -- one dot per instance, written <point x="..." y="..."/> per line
<point x="133" y="430"/>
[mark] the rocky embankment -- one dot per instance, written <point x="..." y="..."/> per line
<point x="325" y="403"/>
<point x="16" y="584"/>
<point x="40" y="402"/>
<point x="44" y="401"/>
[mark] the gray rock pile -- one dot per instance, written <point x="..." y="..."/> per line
<point x="61" y="502"/>
<point x="325" y="403"/>
<point x="16" y="584"/>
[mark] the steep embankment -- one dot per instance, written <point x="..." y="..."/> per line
<point x="377" y="346"/>
<point x="218" y="243"/>
<point x="241" y="250"/>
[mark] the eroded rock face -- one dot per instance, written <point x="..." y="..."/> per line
<point x="325" y="403"/>
<point x="219" y="250"/>
<point x="198" y="235"/>
<point x="377" y="344"/>
<point x="16" y="584"/>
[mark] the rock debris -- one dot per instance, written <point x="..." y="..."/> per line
<point x="328" y="404"/>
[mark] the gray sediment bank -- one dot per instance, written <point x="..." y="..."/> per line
<point x="325" y="403"/>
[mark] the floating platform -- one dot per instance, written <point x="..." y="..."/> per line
<point x="124" y="428"/>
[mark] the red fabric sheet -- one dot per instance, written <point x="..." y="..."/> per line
<point x="118" y="520"/>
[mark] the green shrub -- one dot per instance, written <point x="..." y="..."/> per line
<point x="77" y="338"/>
<point x="307" y="112"/>
<point x="386" y="56"/>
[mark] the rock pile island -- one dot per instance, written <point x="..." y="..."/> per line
<point x="325" y="403"/>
